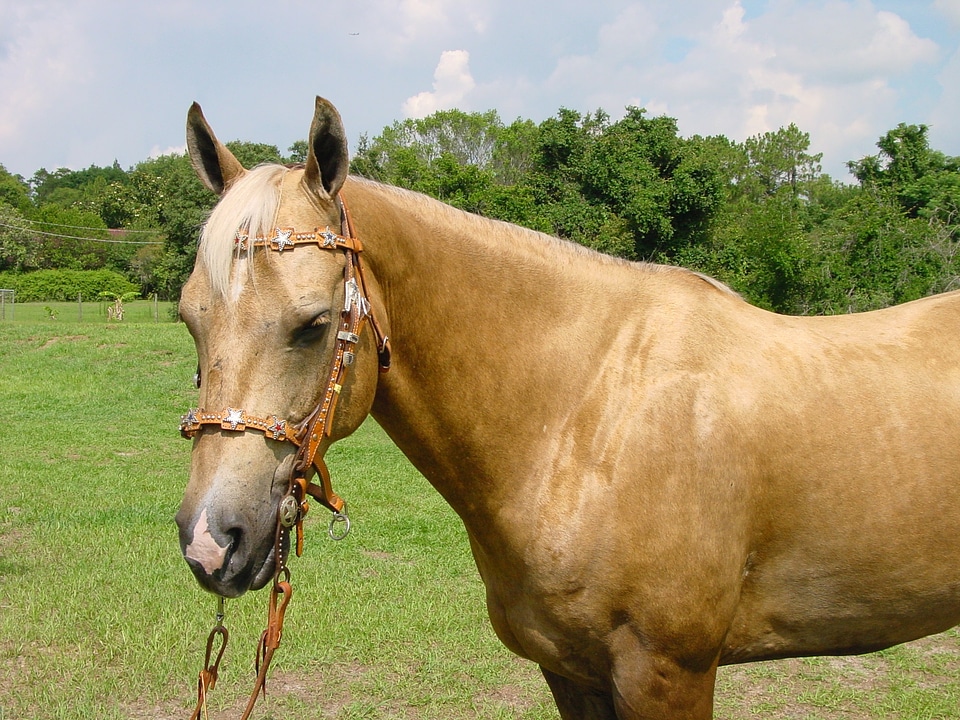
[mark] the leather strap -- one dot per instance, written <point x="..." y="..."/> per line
<point x="269" y="641"/>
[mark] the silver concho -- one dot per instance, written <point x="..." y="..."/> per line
<point x="283" y="240"/>
<point x="278" y="428"/>
<point x="329" y="238"/>
<point x="233" y="419"/>
<point x="289" y="511"/>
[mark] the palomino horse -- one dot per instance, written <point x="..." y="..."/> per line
<point x="657" y="478"/>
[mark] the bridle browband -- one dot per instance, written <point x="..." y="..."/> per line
<point x="306" y="435"/>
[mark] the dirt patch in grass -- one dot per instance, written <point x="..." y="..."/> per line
<point x="341" y="690"/>
<point x="58" y="338"/>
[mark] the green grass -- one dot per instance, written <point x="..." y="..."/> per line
<point x="67" y="313"/>
<point x="919" y="680"/>
<point x="100" y="617"/>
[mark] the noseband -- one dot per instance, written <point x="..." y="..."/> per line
<point x="307" y="434"/>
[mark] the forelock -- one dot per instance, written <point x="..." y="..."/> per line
<point x="250" y="206"/>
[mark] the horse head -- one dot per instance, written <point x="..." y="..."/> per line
<point x="275" y="304"/>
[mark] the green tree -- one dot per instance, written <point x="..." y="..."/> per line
<point x="469" y="138"/>
<point x="252" y="154"/>
<point x="14" y="192"/>
<point x="896" y="239"/>
<point x="760" y="240"/>
<point x="874" y="255"/>
<point x="18" y="251"/>
<point x="179" y="207"/>
<point x="776" y="160"/>
<point x="71" y="238"/>
<point x="633" y="188"/>
<point x="298" y="152"/>
<point x="450" y="155"/>
<point x="924" y="181"/>
<point x="64" y="187"/>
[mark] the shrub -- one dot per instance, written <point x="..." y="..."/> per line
<point x="65" y="285"/>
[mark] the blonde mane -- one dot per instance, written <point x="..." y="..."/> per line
<point x="250" y="205"/>
<point x="552" y="249"/>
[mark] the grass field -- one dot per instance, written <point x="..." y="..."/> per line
<point x="100" y="617"/>
<point x="136" y="311"/>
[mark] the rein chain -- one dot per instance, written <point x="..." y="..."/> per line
<point x="305" y="435"/>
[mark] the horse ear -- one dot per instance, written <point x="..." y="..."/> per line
<point x="214" y="164"/>
<point x="327" y="159"/>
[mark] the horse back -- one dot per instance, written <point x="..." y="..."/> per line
<point x="846" y="432"/>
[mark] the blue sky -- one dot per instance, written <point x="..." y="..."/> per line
<point x="92" y="81"/>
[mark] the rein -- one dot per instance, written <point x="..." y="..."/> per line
<point x="306" y="435"/>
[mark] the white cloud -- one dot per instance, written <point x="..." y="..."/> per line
<point x="731" y="24"/>
<point x="452" y="82"/>
<point x="950" y="8"/>
<point x="421" y="17"/>
<point x="945" y="119"/>
<point x="630" y="35"/>
<point x="828" y="67"/>
<point x="43" y="59"/>
<point x="842" y="42"/>
<point x="88" y="82"/>
<point x="411" y="26"/>
<point x="156" y="151"/>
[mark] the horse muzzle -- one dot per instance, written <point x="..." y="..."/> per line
<point x="227" y="520"/>
<point x="226" y="561"/>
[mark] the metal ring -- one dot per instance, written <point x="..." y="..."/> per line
<point x="339" y="519"/>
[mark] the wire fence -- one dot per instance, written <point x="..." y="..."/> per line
<point x="7" y="300"/>
<point x="87" y="311"/>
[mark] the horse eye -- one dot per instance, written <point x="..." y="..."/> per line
<point x="314" y="329"/>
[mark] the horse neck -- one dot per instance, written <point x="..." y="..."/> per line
<point x="493" y="330"/>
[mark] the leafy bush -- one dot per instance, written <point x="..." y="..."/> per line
<point x="65" y="285"/>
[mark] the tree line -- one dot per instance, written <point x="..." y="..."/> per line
<point x="759" y="215"/>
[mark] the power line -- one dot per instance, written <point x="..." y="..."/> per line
<point x="81" y="227"/>
<point x="74" y="237"/>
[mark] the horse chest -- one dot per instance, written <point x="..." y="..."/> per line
<point x="547" y="630"/>
<point x="546" y="610"/>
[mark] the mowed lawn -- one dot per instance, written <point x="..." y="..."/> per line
<point x="100" y="617"/>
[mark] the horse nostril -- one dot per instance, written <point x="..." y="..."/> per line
<point x="234" y="539"/>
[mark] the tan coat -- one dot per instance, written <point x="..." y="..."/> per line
<point x="656" y="477"/>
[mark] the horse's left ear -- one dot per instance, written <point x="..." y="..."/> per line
<point x="214" y="164"/>
<point x="327" y="159"/>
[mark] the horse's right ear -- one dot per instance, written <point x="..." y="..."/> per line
<point x="214" y="164"/>
<point x="327" y="159"/>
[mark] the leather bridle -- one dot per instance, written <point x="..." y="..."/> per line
<point x="356" y="313"/>
<point x="306" y="435"/>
